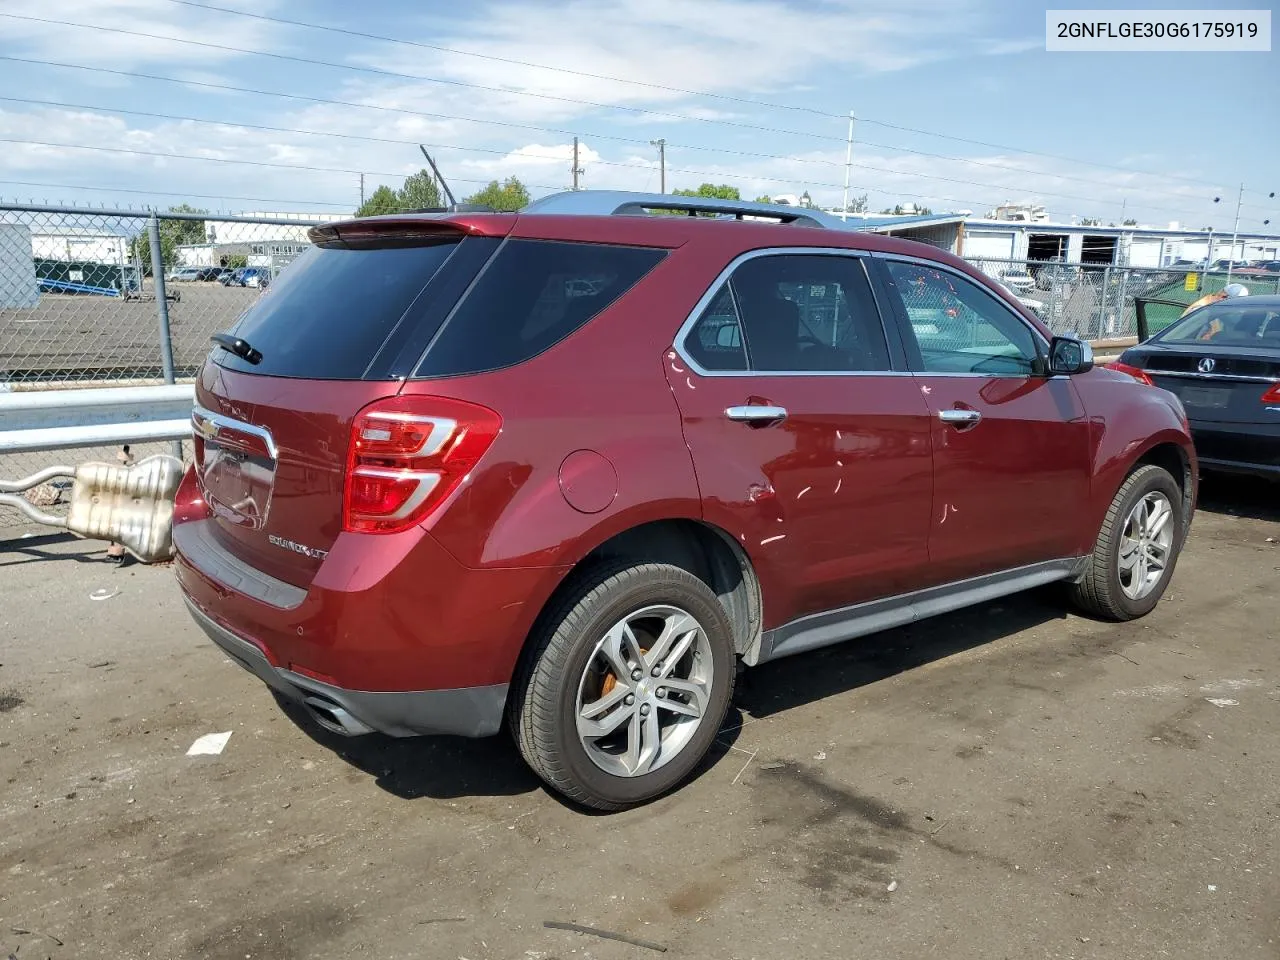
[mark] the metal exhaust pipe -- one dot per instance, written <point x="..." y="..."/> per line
<point x="335" y="718"/>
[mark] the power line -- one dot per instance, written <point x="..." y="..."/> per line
<point x="673" y="89"/>
<point x="250" y="163"/>
<point x="508" y="60"/>
<point x="378" y="71"/>
<point x="490" y="151"/>
<point x="306" y="98"/>
<point x="522" y="126"/>
<point x="172" y="193"/>
<point x="1036" y="153"/>
<point x="343" y="170"/>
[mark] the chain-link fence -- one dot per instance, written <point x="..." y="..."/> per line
<point x="1096" y="301"/>
<point x="80" y="303"/>
<point x="78" y="290"/>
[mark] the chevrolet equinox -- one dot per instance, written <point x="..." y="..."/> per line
<point x="567" y="469"/>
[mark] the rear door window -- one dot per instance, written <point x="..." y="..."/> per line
<point x="792" y="313"/>
<point x="532" y="295"/>
<point x="327" y="315"/>
<point x="715" y="342"/>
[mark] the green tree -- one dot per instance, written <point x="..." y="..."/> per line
<point x="900" y="211"/>
<point x="764" y="199"/>
<point x="1130" y="222"/>
<point x="173" y="234"/>
<point x="419" y="192"/>
<point x="718" y="192"/>
<point x="508" y="195"/>
<point x="858" y="205"/>
<point x="1090" y="222"/>
<point x="380" y="203"/>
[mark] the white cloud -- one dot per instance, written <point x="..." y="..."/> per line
<point x="102" y="47"/>
<point x="888" y="176"/>
<point x="741" y="48"/>
<point x="734" y="48"/>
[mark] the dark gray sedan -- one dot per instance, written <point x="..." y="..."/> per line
<point x="1223" y="362"/>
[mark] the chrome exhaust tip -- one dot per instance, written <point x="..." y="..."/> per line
<point x="334" y="717"/>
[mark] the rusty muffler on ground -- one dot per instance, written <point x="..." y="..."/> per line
<point x="126" y="504"/>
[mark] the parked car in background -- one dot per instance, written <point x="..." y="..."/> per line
<point x="1223" y="362"/>
<point x="1260" y="268"/>
<point x="247" y="277"/>
<point x="1056" y="276"/>
<point x="1035" y="306"/>
<point x="1222" y="266"/>
<point x="565" y="473"/>
<point x="1019" y="281"/>
<point x="184" y="275"/>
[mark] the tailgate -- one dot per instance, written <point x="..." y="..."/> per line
<point x="270" y="458"/>
<point x="340" y="328"/>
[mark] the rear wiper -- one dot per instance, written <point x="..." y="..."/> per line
<point x="240" y="348"/>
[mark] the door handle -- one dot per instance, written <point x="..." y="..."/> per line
<point x="960" y="418"/>
<point x="756" y="413"/>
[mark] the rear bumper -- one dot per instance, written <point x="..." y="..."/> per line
<point x="467" y="712"/>
<point x="1238" y="448"/>
<point x="391" y="633"/>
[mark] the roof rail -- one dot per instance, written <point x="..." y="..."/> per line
<point x="606" y="203"/>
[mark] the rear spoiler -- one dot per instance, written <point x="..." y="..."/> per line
<point x="410" y="229"/>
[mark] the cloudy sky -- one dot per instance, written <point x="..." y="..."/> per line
<point x="222" y="104"/>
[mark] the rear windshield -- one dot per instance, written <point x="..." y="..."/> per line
<point x="532" y="295"/>
<point x="1239" y="324"/>
<point x="330" y="311"/>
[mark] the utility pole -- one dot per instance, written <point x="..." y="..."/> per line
<point x="362" y="189"/>
<point x="1208" y="261"/>
<point x="575" y="169"/>
<point x="662" y="163"/>
<point x="848" y="166"/>
<point x="1235" y="233"/>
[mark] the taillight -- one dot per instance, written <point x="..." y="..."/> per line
<point x="407" y="455"/>
<point x="1136" y="372"/>
<point x="1272" y="395"/>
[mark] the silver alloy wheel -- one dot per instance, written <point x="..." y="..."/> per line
<point x="644" y="691"/>
<point x="1146" y="545"/>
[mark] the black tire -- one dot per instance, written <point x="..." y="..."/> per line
<point x="1099" y="591"/>
<point x="543" y="704"/>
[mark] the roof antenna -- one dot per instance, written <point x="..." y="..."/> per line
<point x="436" y="171"/>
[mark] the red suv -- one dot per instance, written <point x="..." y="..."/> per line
<point x="570" y="467"/>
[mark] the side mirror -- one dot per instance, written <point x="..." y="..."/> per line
<point x="1069" y="355"/>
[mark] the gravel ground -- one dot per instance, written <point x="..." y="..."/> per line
<point x="106" y="338"/>
<point x="1010" y="781"/>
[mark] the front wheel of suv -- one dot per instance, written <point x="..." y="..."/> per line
<point x="1136" y="549"/>
<point x="626" y="684"/>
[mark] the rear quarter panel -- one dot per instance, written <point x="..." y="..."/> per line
<point x="1127" y="420"/>
<point x="603" y="390"/>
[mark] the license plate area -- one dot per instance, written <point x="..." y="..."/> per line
<point x="1205" y="398"/>
<point x="236" y="467"/>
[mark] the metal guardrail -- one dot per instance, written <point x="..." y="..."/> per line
<point x="62" y="419"/>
